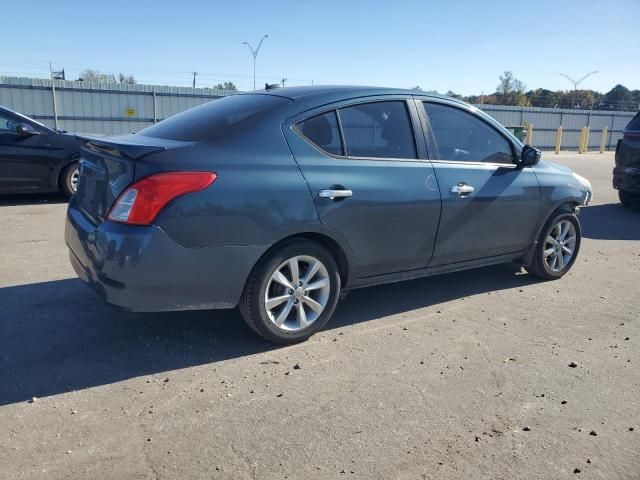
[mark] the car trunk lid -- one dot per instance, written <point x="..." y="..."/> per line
<point x="107" y="167"/>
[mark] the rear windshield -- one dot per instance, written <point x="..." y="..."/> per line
<point x="634" y="124"/>
<point x="212" y="119"/>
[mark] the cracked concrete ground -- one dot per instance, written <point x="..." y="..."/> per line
<point x="459" y="376"/>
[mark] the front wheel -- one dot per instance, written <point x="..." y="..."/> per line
<point x="557" y="247"/>
<point x="69" y="180"/>
<point x="630" y="200"/>
<point x="292" y="293"/>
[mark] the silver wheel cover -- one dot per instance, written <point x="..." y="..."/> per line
<point x="74" y="178"/>
<point x="297" y="293"/>
<point x="560" y="245"/>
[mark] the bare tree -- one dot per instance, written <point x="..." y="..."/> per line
<point x="90" y="75"/>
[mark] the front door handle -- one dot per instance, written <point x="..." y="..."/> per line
<point x="333" y="194"/>
<point x="462" y="189"/>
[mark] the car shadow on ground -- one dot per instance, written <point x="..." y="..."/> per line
<point x="611" y="221"/>
<point x="58" y="336"/>
<point x="32" y="199"/>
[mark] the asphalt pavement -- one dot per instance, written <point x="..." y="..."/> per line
<point x="480" y="374"/>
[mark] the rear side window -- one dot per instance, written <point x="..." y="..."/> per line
<point x="634" y="124"/>
<point x="323" y="131"/>
<point x="379" y="130"/>
<point x="214" y="118"/>
<point x="462" y="136"/>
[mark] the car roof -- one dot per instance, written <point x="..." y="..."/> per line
<point x="317" y="92"/>
<point x="307" y="97"/>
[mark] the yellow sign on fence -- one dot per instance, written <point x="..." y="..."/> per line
<point x="130" y="112"/>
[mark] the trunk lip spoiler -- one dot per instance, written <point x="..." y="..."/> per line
<point x="123" y="147"/>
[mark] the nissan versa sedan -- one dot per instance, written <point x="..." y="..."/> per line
<point x="275" y="201"/>
<point x="34" y="157"/>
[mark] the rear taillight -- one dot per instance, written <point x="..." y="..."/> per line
<point x="141" y="202"/>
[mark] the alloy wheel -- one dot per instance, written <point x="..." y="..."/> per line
<point x="560" y="245"/>
<point x="74" y="178"/>
<point x="297" y="293"/>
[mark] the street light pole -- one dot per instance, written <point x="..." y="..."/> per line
<point x="575" y="84"/>
<point x="255" y="55"/>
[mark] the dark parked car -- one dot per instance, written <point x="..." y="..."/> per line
<point x="34" y="157"/>
<point x="277" y="200"/>
<point x="626" y="173"/>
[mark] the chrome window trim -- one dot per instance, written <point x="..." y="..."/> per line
<point x="296" y="119"/>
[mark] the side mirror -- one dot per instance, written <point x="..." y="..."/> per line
<point x="529" y="156"/>
<point x="26" y="129"/>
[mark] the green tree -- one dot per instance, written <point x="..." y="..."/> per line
<point x="511" y="91"/>
<point x="635" y="94"/>
<point x="541" y="97"/>
<point x="226" y="86"/>
<point x="454" y="95"/>
<point x="620" y="98"/>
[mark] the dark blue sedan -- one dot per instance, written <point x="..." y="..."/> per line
<point x="277" y="200"/>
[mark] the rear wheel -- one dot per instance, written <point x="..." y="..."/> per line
<point x="292" y="293"/>
<point x="557" y="247"/>
<point x="69" y="179"/>
<point x="630" y="200"/>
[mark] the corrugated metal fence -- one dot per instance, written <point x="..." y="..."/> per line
<point x="545" y="122"/>
<point x="99" y="108"/>
<point x="111" y="109"/>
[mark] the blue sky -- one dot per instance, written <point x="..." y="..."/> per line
<point x="445" y="45"/>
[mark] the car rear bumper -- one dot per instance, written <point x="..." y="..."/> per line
<point x="626" y="178"/>
<point x="143" y="269"/>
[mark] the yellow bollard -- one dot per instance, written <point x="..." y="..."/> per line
<point x="558" y="139"/>
<point x="528" y="139"/>
<point x="581" y="141"/>
<point x="603" y="139"/>
<point x="585" y="148"/>
<point x="586" y="140"/>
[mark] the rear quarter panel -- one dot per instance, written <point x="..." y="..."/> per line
<point x="258" y="198"/>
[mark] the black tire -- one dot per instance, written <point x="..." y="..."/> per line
<point x="630" y="200"/>
<point x="252" y="305"/>
<point x="66" y="179"/>
<point x="538" y="265"/>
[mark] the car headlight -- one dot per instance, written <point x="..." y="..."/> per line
<point x="586" y="188"/>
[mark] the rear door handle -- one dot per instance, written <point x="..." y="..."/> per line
<point x="462" y="189"/>
<point x="333" y="194"/>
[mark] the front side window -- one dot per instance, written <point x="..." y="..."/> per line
<point x="378" y="130"/>
<point x="462" y="136"/>
<point x="323" y="132"/>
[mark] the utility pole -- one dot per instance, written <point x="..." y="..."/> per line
<point x="255" y="55"/>
<point x="575" y="84"/>
<point x="194" y="79"/>
<point x="55" y="76"/>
